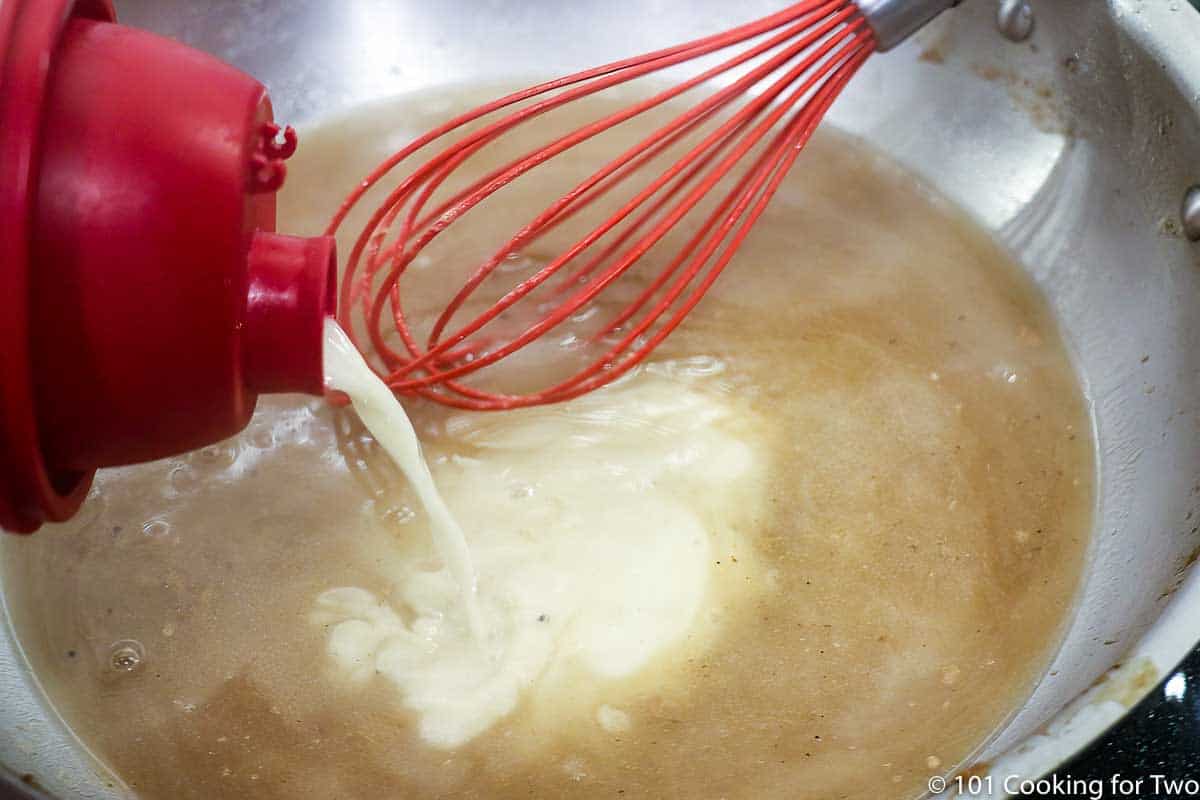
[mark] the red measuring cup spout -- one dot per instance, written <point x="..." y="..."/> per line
<point x="145" y="299"/>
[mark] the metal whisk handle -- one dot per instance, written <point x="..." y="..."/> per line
<point x="893" y="21"/>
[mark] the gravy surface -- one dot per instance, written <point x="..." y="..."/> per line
<point x="908" y="556"/>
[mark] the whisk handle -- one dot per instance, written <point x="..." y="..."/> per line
<point x="893" y="21"/>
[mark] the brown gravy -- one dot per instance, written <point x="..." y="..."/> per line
<point x="928" y="502"/>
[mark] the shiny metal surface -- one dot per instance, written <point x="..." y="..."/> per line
<point x="1073" y="148"/>
<point x="893" y="21"/>
<point x="1014" y="19"/>
<point x="1189" y="213"/>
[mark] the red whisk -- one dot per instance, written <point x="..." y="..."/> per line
<point x="790" y="69"/>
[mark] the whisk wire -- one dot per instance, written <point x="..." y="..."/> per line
<point x="807" y="52"/>
<point x="761" y="182"/>
<point x="466" y="199"/>
<point x="642" y="246"/>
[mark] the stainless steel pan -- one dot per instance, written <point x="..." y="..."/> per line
<point x="1076" y="148"/>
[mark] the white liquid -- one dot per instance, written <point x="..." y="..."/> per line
<point x="381" y="412"/>
<point x="594" y="527"/>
